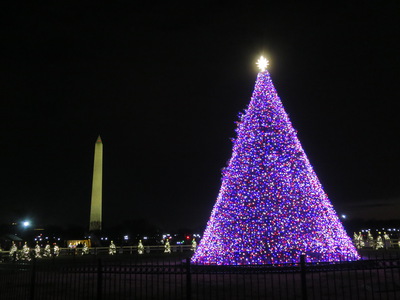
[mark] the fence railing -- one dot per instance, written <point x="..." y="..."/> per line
<point x="171" y="276"/>
<point x="389" y="244"/>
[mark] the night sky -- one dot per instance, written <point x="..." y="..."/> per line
<point x="163" y="85"/>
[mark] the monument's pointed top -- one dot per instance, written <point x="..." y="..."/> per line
<point x="99" y="139"/>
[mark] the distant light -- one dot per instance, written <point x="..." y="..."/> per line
<point x="262" y="63"/>
<point x="126" y="237"/>
<point x="145" y="237"/>
<point x="26" y="223"/>
<point x="344" y="216"/>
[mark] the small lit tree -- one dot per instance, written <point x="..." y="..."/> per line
<point x="85" y="249"/>
<point x="358" y="240"/>
<point x="140" y="247"/>
<point x="194" y="245"/>
<point x="167" y="247"/>
<point x="13" y="252"/>
<point x="387" y="241"/>
<point x="56" y="250"/>
<point x="47" y="251"/>
<point x="25" y="255"/>
<point x="370" y="240"/>
<point x="379" y="242"/>
<point x="112" y="248"/>
<point x="37" y="250"/>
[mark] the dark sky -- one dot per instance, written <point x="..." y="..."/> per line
<point x="163" y="85"/>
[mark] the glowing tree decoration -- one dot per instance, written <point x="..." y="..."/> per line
<point x="271" y="207"/>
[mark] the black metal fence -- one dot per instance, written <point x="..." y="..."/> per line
<point x="171" y="276"/>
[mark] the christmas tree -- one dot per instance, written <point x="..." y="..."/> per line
<point x="140" y="248"/>
<point x="167" y="247"/>
<point x="271" y="207"/>
<point x="112" y="249"/>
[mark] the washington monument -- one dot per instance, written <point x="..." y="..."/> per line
<point x="95" y="208"/>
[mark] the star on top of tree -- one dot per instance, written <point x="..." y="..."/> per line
<point x="262" y="63"/>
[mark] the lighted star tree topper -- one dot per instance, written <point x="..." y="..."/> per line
<point x="271" y="207"/>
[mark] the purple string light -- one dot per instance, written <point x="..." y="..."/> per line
<point x="271" y="207"/>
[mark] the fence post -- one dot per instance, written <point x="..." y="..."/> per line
<point x="99" y="279"/>
<point x="33" y="279"/>
<point x="303" y="276"/>
<point x="188" y="280"/>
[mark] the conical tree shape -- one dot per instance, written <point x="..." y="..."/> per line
<point x="271" y="207"/>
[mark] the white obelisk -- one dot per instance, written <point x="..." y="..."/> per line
<point x="97" y="185"/>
